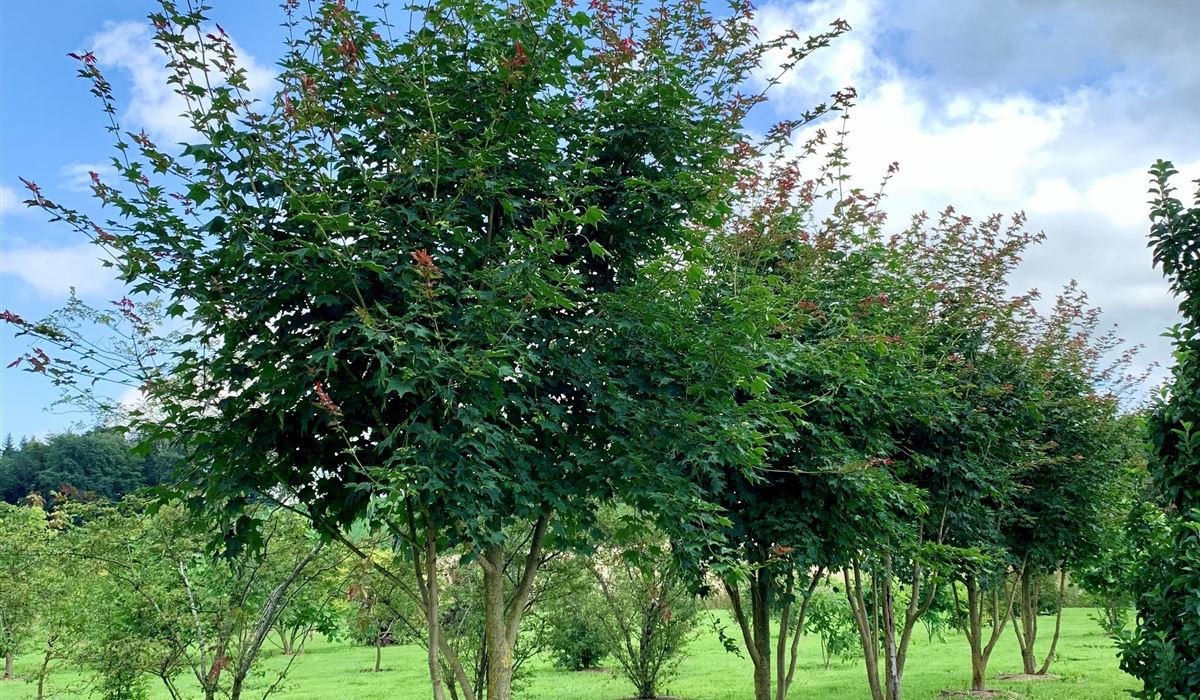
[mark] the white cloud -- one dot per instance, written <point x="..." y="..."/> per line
<point x="11" y="202"/>
<point x="78" y="176"/>
<point x="1056" y="108"/>
<point x="52" y="272"/>
<point x="153" y="103"/>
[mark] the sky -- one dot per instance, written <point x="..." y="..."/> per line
<point x="1052" y="107"/>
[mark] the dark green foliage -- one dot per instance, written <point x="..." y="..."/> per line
<point x="97" y="464"/>
<point x="574" y="636"/>
<point x="1164" y="649"/>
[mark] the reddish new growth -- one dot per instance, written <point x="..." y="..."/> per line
<point x="627" y="48"/>
<point x="103" y="235"/>
<point x="37" y="191"/>
<point x="88" y="59"/>
<point x="519" y="60"/>
<point x="426" y="267"/>
<point x="125" y="307"/>
<point x="309" y="85"/>
<point x="9" y="316"/>
<point x="38" y="360"/>
<point x="349" y="51"/>
<point x="869" y="301"/>
<point x="324" y="401"/>
<point x="603" y="9"/>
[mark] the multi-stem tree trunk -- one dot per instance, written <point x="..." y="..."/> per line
<point x="8" y="665"/>
<point x="502" y="614"/>
<point x="1001" y="599"/>
<point x="285" y="642"/>
<point x="424" y="561"/>
<point x="756" y="627"/>
<point x="1025" y="625"/>
<point x="876" y="618"/>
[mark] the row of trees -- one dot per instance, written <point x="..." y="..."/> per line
<point x="461" y="284"/>
<point x="97" y="464"/>
<point x="133" y="594"/>
<point x="128" y="592"/>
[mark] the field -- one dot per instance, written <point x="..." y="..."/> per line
<point x="1087" y="664"/>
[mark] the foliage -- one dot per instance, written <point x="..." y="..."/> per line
<point x="650" y="610"/>
<point x="1164" y="649"/>
<point x="26" y="545"/>
<point x="153" y="592"/>
<point x="96" y="464"/>
<point x="575" y="634"/>
<point x="830" y="618"/>
<point x="396" y="276"/>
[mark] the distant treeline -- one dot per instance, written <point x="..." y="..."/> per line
<point x="99" y="464"/>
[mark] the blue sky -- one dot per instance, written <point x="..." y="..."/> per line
<point x="1054" y="107"/>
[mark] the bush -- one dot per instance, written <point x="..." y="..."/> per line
<point x="649" y="609"/>
<point x="829" y="616"/>
<point x="575" y="637"/>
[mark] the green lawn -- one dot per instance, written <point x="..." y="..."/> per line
<point x="1087" y="663"/>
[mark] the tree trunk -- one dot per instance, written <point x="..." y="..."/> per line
<point x="974" y="632"/>
<point x="784" y="679"/>
<point x="285" y="642"/>
<point x="1002" y="599"/>
<point x="760" y="612"/>
<point x="867" y="632"/>
<point x="424" y="561"/>
<point x="502" y="618"/>
<point x="499" y="649"/>
<point x="978" y="673"/>
<point x="169" y="685"/>
<point x="44" y="670"/>
<point x="746" y="624"/>
<point x="785" y="620"/>
<point x="379" y="650"/>
<point x="8" y="665"/>
<point x="1028" y="624"/>
<point x="891" y="669"/>
<point x="1062" y="592"/>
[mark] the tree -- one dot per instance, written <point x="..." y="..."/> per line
<point x="1109" y="573"/>
<point x="173" y="607"/>
<point x="964" y="458"/>
<point x="1075" y="476"/>
<point x="96" y="464"/>
<point x="830" y="618"/>
<point x="394" y="275"/>
<point x="838" y="376"/>
<point x="650" y="609"/>
<point x="376" y="606"/>
<point x="25" y="539"/>
<point x="1164" y="649"/>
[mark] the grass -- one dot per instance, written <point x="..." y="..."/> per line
<point x="1087" y="663"/>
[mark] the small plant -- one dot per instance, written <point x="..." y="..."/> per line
<point x="650" y="610"/>
<point x="830" y="618"/>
